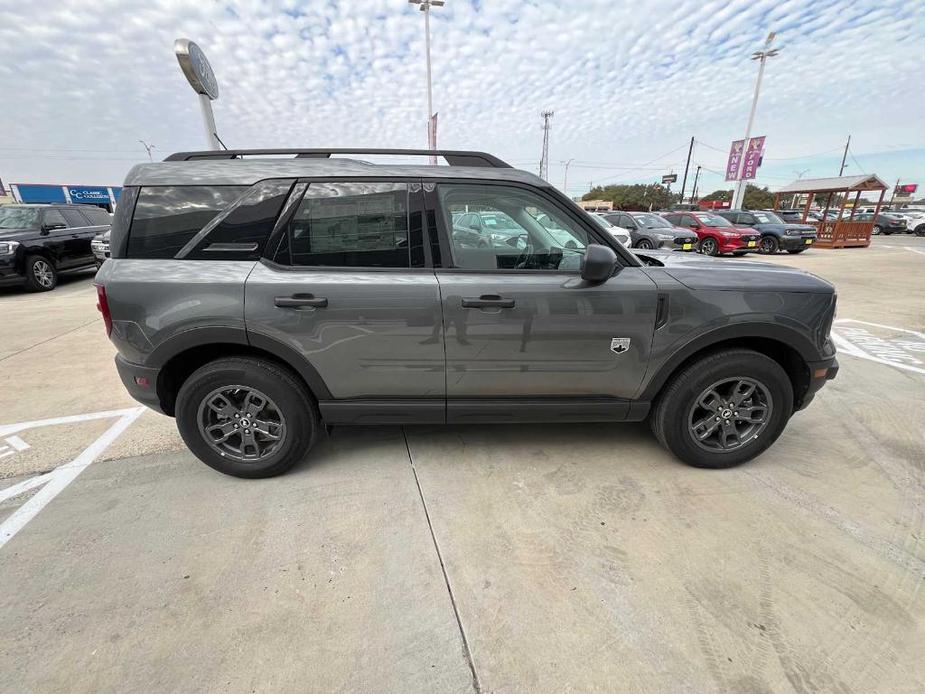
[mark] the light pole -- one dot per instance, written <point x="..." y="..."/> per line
<point x="425" y="6"/>
<point x="148" y="149"/>
<point x="762" y="56"/>
<point x="565" y="181"/>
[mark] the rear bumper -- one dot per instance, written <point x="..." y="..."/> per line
<point x="140" y="382"/>
<point x="820" y="373"/>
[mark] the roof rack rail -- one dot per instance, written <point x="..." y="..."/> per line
<point x="453" y="157"/>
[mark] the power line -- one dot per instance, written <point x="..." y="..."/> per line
<point x="640" y="168"/>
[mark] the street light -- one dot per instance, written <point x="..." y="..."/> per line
<point x="425" y="6"/>
<point x="761" y="56"/>
<point x="148" y="149"/>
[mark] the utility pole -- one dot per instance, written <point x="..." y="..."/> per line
<point x="148" y="149"/>
<point x="694" y="189"/>
<point x="686" y="167"/>
<point x="762" y="56"/>
<point x="844" y="157"/>
<point x="893" y="196"/>
<point x="425" y="6"/>
<point x="544" y="160"/>
<point x="565" y="181"/>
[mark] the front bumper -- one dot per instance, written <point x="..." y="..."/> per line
<point x="8" y="272"/>
<point x="743" y="243"/>
<point x="791" y="243"/>
<point x="820" y="373"/>
<point x="140" y="382"/>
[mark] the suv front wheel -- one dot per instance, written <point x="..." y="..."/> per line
<point x="723" y="409"/>
<point x="246" y="417"/>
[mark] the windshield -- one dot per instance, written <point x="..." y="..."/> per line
<point x="652" y="221"/>
<point x="713" y="220"/>
<point x="767" y="218"/>
<point x="499" y="221"/>
<point x="19" y="218"/>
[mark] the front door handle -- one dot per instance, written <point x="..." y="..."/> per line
<point x="488" y="301"/>
<point x="301" y="301"/>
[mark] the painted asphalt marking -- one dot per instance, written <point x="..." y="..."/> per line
<point x="914" y="250"/>
<point x="884" y="344"/>
<point x="53" y="483"/>
<point x="13" y="445"/>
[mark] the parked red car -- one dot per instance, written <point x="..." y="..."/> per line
<point x="717" y="235"/>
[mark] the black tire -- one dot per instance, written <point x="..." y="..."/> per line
<point x="292" y="398"/>
<point x="796" y="250"/>
<point x="739" y="254"/>
<point x="644" y="244"/>
<point x="41" y="274"/>
<point x="920" y="230"/>
<point x="670" y="414"/>
<point x="768" y="245"/>
<point x="875" y="231"/>
<point x="709" y="246"/>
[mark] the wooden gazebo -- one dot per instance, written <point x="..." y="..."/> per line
<point x="844" y="231"/>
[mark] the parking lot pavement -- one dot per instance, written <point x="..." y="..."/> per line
<point x="577" y="557"/>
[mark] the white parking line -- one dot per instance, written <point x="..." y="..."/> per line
<point x="862" y="343"/>
<point x="914" y="250"/>
<point x="54" y="482"/>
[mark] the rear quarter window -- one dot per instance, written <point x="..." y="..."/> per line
<point x="167" y="217"/>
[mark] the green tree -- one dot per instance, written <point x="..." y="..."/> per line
<point x="755" y="198"/>
<point x="637" y="196"/>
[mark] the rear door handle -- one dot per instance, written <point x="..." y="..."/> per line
<point x="488" y="301"/>
<point x="301" y="301"/>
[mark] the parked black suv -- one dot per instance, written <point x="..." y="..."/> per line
<point x="39" y="241"/>
<point x="776" y="234"/>
<point x="258" y="300"/>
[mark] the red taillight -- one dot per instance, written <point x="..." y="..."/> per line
<point x="102" y="305"/>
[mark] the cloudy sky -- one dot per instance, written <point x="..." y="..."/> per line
<point x="629" y="82"/>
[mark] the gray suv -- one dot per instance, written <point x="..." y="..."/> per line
<point x="259" y="300"/>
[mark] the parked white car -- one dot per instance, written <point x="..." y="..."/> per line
<point x="619" y="233"/>
<point x="915" y="219"/>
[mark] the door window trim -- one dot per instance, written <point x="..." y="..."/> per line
<point x="433" y="211"/>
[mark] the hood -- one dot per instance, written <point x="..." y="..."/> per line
<point x="704" y="272"/>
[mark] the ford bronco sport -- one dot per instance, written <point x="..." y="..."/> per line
<point x="257" y="299"/>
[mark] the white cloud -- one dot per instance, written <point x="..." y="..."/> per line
<point x="81" y="82"/>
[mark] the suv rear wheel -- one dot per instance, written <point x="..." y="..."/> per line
<point x="246" y="417"/>
<point x="723" y="409"/>
<point x="768" y="245"/>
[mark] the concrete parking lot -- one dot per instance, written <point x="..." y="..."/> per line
<point x="467" y="558"/>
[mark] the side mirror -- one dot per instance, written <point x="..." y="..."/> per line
<point x="598" y="263"/>
<point x="51" y="227"/>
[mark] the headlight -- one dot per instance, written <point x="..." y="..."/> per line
<point x="792" y="232"/>
<point x="664" y="237"/>
<point x="8" y="247"/>
<point x="730" y="234"/>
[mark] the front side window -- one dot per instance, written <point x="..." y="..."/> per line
<point x="167" y="217"/>
<point x="353" y="225"/>
<point x="526" y="232"/>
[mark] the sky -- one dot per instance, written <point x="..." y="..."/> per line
<point x="629" y="83"/>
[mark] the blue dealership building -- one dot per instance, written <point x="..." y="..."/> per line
<point x="106" y="197"/>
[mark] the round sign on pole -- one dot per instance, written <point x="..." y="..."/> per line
<point x="196" y="68"/>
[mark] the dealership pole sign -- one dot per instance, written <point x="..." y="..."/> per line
<point x="743" y="161"/>
<point x="199" y="74"/>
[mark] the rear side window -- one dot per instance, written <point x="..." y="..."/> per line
<point x="352" y="225"/>
<point x="242" y="233"/>
<point x="97" y="216"/>
<point x="167" y="217"/>
<point x="74" y="218"/>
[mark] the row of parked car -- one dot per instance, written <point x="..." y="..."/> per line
<point x="713" y="233"/>
<point x="886" y="222"/>
<point x="38" y="242"/>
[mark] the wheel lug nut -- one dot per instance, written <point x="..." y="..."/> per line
<point x="717" y="419"/>
<point x="235" y="426"/>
